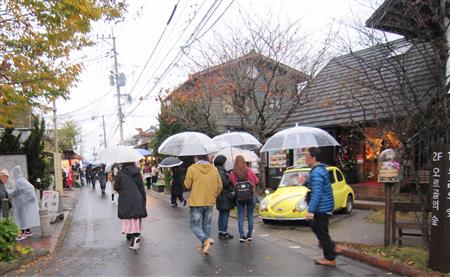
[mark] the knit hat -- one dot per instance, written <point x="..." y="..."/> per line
<point x="220" y="160"/>
<point x="4" y="172"/>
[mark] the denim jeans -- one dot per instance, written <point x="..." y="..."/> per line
<point x="241" y="206"/>
<point x="200" y="218"/>
<point x="223" y="221"/>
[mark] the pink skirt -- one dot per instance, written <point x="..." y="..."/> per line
<point x="130" y="226"/>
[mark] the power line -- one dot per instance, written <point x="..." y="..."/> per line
<point x="188" y="43"/>
<point x="154" y="49"/>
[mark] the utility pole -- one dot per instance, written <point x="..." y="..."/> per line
<point x="56" y="155"/>
<point x="104" y="128"/>
<point x="55" y="126"/>
<point x="116" y="77"/>
<point x="104" y="131"/>
<point x="94" y="154"/>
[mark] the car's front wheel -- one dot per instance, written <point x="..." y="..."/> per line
<point x="349" y="205"/>
<point x="266" y="221"/>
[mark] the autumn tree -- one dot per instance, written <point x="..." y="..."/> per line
<point x="36" y="40"/>
<point x="249" y="78"/>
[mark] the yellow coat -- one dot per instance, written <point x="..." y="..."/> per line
<point x="205" y="184"/>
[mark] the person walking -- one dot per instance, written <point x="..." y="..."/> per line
<point x="88" y="174"/>
<point x="94" y="177"/>
<point x="132" y="202"/>
<point x="225" y="201"/>
<point x="111" y="178"/>
<point x="155" y="172"/>
<point x="203" y="179"/>
<point x="147" y="175"/>
<point x="102" y="177"/>
<point x="243" y="174"/>
<point x="4" y="176"/>
<point x="320" y="206"/>
<point x="176" y="190"/>
<point x="24" y="203"/>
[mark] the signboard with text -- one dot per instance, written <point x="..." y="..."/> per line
<point x="439" y="258"/>
<point x="50" y="201"/>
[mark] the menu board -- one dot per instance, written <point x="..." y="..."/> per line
<point x="277" y="159"/>
<point x="299" y="157"/>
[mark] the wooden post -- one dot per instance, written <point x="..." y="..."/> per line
<point x="387" y="213"/>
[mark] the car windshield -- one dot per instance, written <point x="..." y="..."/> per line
<point x="295" y="178"/>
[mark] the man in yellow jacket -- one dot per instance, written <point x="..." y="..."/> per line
<point x="203" y="179"/>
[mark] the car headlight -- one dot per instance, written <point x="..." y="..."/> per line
<point x="301" y="205"/>
<point x="263" y="205"/>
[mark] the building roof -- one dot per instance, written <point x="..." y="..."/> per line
<point x="252" y="55"/>
<point x="412" y="19"/>
<point x="365" y="86"/>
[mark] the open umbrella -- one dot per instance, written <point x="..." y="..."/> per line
<point x="170" y="162"/>
<point x="299" y="137"/>
<point x="237" y="139"/>
<point x="144" y="152"/>
<point x="231" y="152"/>
<point x="188" y="144"/>
<point x="119" y="154"/>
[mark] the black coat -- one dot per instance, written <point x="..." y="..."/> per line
<point x="225" y="201"/>
<point x="177" y="182"/>
<point x="132" y="197"/>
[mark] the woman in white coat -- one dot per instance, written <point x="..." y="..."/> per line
<point x="24" y="203"/>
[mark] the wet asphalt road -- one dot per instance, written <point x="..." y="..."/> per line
<point x="94" y="246"/>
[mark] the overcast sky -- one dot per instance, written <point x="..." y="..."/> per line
<point x="136" y="39"/>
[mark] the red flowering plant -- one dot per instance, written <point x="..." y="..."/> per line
<point x="344" y="159"/>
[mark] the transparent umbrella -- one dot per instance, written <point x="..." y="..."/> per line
<point x="299" y="137"/>
<point x="170" y="162"/>
<point x="119" y="154"/>
<point x="188" y="144"/>
<point x="231" y="152"/>
<point x="237" y="139"/>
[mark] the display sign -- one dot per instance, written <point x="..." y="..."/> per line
<point x="50" y="201"/>
<point x="299" y="157"/>
<point x="277" y="159"/>
<point x="440" y="209"/>
<point x="388" y="167"/>
<point x="9" y="161"/>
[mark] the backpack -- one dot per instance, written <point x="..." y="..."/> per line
<point x="243" y="190"/>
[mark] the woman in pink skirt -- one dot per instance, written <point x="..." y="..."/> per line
<point x="132" y="202"/>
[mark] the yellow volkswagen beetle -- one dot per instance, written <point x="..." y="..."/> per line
<point x="287" y="202"/>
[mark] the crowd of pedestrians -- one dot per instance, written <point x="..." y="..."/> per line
<point x="209" y="185"/>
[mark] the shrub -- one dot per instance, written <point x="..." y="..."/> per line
<point x="8" y="233"/>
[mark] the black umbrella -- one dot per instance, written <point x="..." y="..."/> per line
<point x="170" y="162"/>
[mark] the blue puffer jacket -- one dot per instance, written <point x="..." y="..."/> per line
<point x="321" y="199"/>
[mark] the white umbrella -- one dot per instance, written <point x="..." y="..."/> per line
<point x="119" y="154"/>
<point x="237" y="139"/>
<point x="231" y="152"/>
<point x="299" y="137"/>
<point x="188" y="144"/>
<point x="170" y="162"/>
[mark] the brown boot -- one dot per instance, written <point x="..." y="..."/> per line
<point x="326" y="262"/>
<point x="206" y="245"/>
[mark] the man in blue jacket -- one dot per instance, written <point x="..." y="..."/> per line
<point x="321" y="205"/>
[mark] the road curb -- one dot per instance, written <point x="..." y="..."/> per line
<point x="66" y="225"/>
<point x="6" y="267"/>
<point x="380" y="262"/>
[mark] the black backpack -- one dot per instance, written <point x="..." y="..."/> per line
<point x="243" y="190"/>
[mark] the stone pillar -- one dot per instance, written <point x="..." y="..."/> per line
<point x="45" y="223"/>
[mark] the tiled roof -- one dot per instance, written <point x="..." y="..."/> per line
<point x="365" y="86"/>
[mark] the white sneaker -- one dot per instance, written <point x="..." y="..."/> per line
<point x="136" y="242"/>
